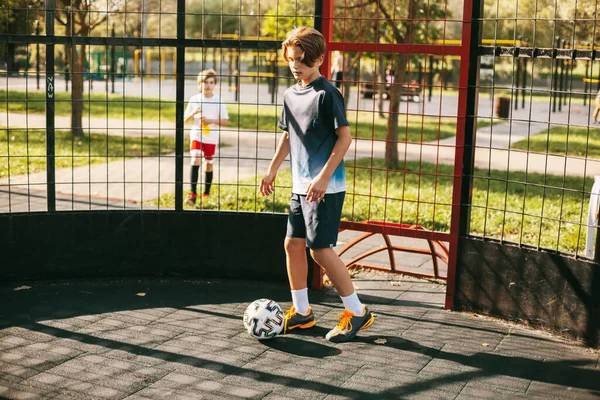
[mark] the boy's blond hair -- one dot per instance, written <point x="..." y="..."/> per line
<point x="207" y="73"/>
<point x="310" y="40"/>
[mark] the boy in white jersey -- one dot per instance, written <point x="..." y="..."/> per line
<point x="209" y="115"/>
<point x="316" y="136"/>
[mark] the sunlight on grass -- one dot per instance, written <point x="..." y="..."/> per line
<point x="519" y="211"/>
<point x="565" y="141"/>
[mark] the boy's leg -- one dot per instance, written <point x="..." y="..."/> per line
<point x="296" y="262"/>
<point x="208" y="178"/>
<point x="596" y="112"/>
<point x="194" y="177"/>
<point x="323" y="223"/>
<point x="335" y="269"/>
<point x="356" y="316"/>
<point x="300" y="314"/>
<point x="196" y="153"/>
<point x="209" y="152"/>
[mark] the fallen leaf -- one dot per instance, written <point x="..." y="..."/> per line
<point x="485" y="345"/>
<point x="141" y="294"/>
<point x="381" y="341"/>
<point x="22" y="287"/>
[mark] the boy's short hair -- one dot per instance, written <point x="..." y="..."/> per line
<point x="207" y="73"/>
<point x="310" y="40"/>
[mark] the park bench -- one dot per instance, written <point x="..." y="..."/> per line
<point x="435" y="248"/>
<point x="409" y="91"/>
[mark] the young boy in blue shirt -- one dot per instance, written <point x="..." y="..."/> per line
<point x="316" y="136"/>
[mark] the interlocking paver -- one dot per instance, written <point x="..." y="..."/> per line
<point x="185" y="340"/>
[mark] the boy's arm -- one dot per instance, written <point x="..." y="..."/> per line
<point x="318" y="186"/>
<point x="283" y="149"/>
<point x="190" y="112"/>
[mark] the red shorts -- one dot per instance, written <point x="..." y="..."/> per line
<point x="203" y="149"/>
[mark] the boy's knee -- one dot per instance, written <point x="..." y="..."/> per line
<point x="317" y="254"/>
<point x="196" y="161"/>
<point x="292" y="245"/>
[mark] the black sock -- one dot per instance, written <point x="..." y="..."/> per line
<point x="194" y="176"/>
<point x="208" y="181"/>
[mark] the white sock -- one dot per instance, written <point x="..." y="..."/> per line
<point x="353" y="304"/>
<point x="300" y="300"/>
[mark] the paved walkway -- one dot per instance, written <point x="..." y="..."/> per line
<point x="246" y="154"/>
<point x="158" y="339"/>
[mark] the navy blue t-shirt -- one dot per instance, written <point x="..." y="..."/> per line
<point x="310" y="115"/>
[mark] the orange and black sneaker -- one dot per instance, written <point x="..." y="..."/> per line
<point x="349" y="325"/>
<point x="191" y="200"/>
<point x="293" y="320"/>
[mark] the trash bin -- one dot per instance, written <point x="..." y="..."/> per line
<point x="502" y="107"/>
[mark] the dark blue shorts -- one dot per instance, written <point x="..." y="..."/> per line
<point x="317" y="222"/>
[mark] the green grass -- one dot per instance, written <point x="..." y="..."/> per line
<point x="574" y="142"/>
<point x="26" y="149"/>
<point x="366" y="125"/>
<point x="506" y="207"/>
<point x="94" y="105"/>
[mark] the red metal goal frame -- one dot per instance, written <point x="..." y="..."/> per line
<point x="462" y="50"/>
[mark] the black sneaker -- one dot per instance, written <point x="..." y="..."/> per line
<point x="293" y="320"/>
<point x="349" y="325"/>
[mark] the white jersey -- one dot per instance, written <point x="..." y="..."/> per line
<point x="212" y="109"/>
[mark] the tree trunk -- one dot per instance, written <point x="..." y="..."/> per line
<point x="77" y="75"/>
<point x="10" y="58"/>
<point x="391" y="145"/>
<point x="349" y="68"/>
<point x="400" y="62"/>
<point x="347" y="87"/>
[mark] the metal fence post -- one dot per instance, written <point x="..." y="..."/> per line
<point x="555" y="75"/>
<point x="561" y="63"/>
<point x="36" y="23"/>
<point x="50" y="112"/>
<point x="179" y="105"/>
<point x="112" y="59"/>
<point x="524" y="83"/>
<point x="517" y="76"/>
<point x="585" y="82"/>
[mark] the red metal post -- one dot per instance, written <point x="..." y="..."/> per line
<point x="465" y="58"/>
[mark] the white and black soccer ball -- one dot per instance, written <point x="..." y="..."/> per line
<point x="263" y="319"/>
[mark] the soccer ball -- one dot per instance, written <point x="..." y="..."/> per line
<point x="263" y="319"/>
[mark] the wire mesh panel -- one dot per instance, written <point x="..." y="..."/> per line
<point x="119" y="133"/>
<point x="535" y="161"/>
<point x="414" y="184"/>
<point x="23" y="151"/>
<point x="401" y="68"/>
<point x="111" y="138"/>
<point x="94" y="94"/>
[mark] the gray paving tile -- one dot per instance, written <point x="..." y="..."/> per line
<point x="549" y="390"/>
<point x="193" y="349"/>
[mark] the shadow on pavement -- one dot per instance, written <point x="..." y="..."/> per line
<point x="206" y="316"/>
